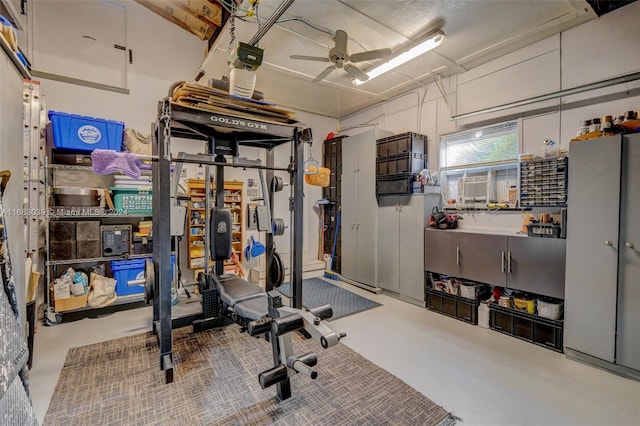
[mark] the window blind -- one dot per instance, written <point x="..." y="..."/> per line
<point x="486" y="145"/>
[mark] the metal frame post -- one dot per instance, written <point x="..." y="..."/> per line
<point x="297" y="175"/>
<point x="219" y="265"/>
<point x="162" y="244"/>
<point x="269" y="243"/>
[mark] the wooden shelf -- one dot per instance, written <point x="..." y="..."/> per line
<point x="234" y="194"/>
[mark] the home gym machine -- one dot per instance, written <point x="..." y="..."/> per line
<point x="259" y="311"/>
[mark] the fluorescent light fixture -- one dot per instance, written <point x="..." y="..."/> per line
<point x="431" y="42"/>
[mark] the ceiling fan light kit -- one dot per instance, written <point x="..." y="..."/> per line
<point x="434" y="40"/>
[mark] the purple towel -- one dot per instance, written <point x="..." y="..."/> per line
<point x="106" y="162"/>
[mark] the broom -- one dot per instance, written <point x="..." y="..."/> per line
<point x="329" y="273"/>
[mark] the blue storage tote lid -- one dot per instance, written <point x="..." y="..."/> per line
<point x="117" y="265"/>
<point x="73" y="131"/>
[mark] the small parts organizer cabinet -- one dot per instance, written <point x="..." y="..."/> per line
<point x="233" y="200"/>
<point x="543" y="182"/>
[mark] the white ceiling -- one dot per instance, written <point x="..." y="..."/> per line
<point x="477" y="31"/>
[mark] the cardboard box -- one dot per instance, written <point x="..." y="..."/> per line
<point x="205" y="9"/>
<point x="178" y="13"/>
<point x="71" y="303"/>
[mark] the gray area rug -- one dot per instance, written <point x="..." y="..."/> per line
<point x="118" y="382"/>
<point x="317" y="292"/>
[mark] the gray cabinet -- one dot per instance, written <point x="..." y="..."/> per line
<point x="602" y="307"/>
<point x="529" y="264"/>
<point x="536" y="263"/>
<point x="481" y="257"/>
<point x="442" y="252"/>
<point x="359" y="220"/>
<point x="402" y="220"/>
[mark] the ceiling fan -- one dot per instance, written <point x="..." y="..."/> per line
<point x="342" y="59"/>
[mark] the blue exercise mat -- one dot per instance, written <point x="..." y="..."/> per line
<point x="317" y="292"/>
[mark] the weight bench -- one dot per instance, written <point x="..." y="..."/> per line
<point x="245" y="300"/>
<point x="263" y="313"/>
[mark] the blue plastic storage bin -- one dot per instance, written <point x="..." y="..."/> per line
<point x="72" y="131"/>
<point x="130" y="270"/>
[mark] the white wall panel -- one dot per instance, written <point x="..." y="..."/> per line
<point x="538" y="75"/>
<point x="538" y="128"/>
<point x="606" y="47"/>
<point x="572" y="117"/>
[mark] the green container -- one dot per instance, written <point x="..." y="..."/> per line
<point x="132" y="200"/>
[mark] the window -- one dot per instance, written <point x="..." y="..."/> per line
<point x="477" y="147"/>
<point x="480" y="166"/>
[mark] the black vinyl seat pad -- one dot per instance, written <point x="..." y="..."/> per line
<point x="247" y="300"/>
<point x="253" y="309"/>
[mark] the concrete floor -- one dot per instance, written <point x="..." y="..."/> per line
<point x="481" y="376"/>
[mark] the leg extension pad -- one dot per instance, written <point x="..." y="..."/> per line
<point x="272" y="376"/>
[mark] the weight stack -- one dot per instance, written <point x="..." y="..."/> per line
<point x="210" y="303"/>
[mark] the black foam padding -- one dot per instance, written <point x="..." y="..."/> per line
<point x="273" y="376"/>
<point x="253" y="309"/>
<point x="287" y="324"/>
<point x="220" y="234"/>
<point x="234" y="290"/>
<point x="259" y="326"/>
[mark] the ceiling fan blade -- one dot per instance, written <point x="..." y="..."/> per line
<point x="310" y="58"/>
<point x="341" y="39"/>
<point x="324" y="73"/>
<point x="356" y="72"/>
<point x="370" y="54"/>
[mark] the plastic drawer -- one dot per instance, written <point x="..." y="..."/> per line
<point x="452" y="306"/>
<point x="531" y="328"/>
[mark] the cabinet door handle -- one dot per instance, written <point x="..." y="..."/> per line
<point x="607" y="243"/>
<point x="457" y="255"/>
<point x="502" y="267"/>
<point x="509" y="262"/>
<point x="353" y="225"/>
<point x="628" y="245"/>
<point x="357" y="226"/>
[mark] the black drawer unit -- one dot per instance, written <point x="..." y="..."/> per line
<point x="397" y="184"/>
<point x="531" y="328"/>
<point x="409" y="162"/>
<point x="452" y="306"/>
<point x="401" y="144"/>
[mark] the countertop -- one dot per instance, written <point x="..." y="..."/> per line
<point x="490" y="231"/>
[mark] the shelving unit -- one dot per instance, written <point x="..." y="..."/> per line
<point x="233" y="199"/>
<point x="105" y="216"/>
